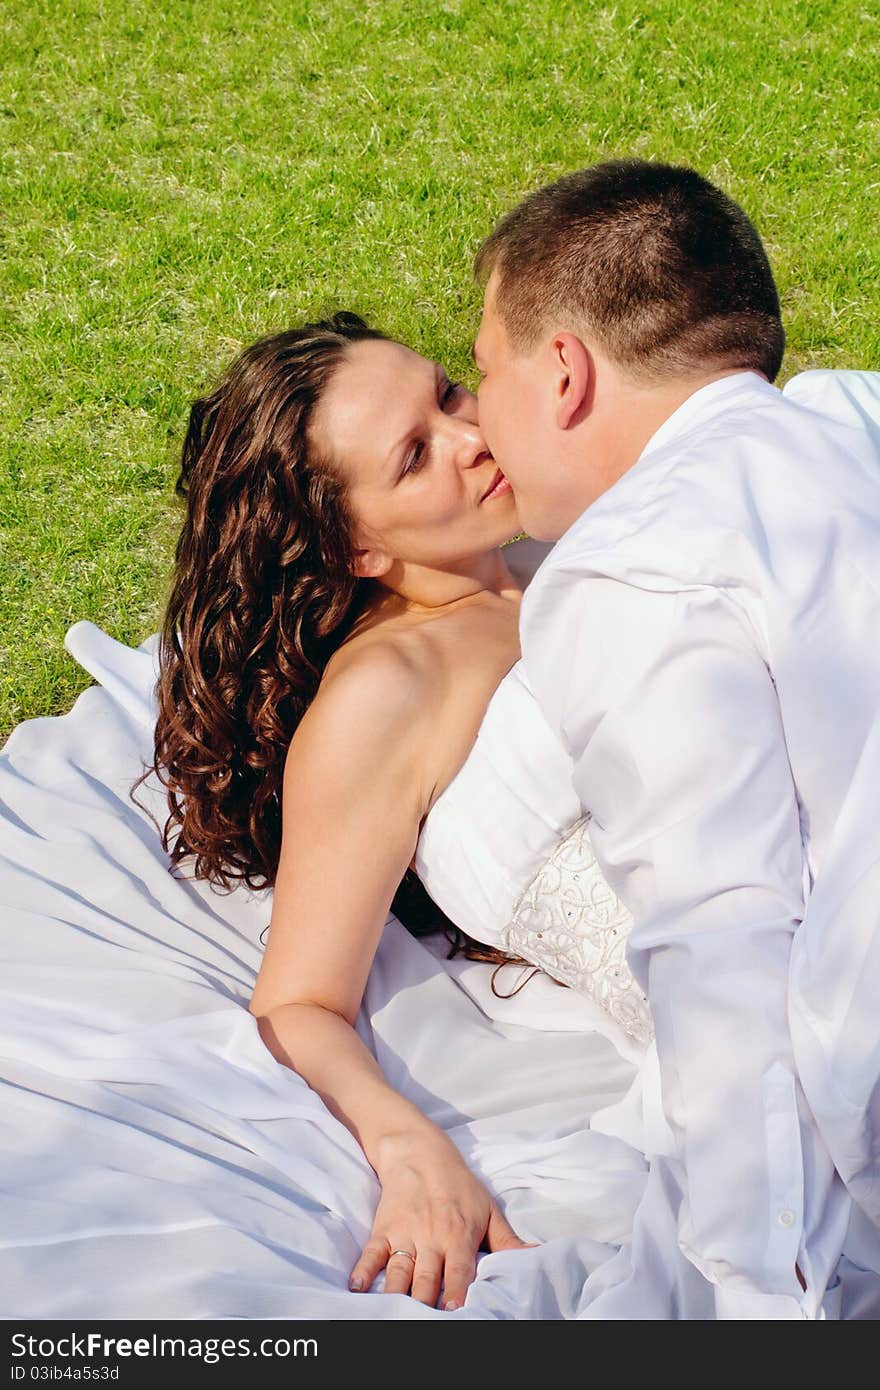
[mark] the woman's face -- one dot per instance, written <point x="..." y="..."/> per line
<point x="417" y="468"/>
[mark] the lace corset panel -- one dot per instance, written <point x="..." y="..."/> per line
<point x="505" y="852"/>
<point x="571" y="924"/>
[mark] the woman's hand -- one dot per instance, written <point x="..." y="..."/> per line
<point x="434" y="1209"/>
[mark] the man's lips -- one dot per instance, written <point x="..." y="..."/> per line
<point x="497" y="486"/>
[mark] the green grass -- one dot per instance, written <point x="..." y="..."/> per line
<point x="179" y="178"/>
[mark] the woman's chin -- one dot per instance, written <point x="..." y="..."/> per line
<point x="501" y="520"/>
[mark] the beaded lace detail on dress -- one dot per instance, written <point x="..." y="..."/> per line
<point x="570" y="923"/>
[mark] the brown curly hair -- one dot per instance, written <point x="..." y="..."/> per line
<point x="262" y="594"/>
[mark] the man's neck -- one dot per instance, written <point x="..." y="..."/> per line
<point x="625" y="417"/>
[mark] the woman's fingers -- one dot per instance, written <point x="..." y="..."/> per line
<point x="461" y="1259"/>
<point x="373" y="1259"/>
<point x="399" y="1271"/>
<point x="420" y="1271"/>
<point x="426" y="1277"/>
<point x="460" y="1272"/>
<point x="420" y="1276"/>
<point x="500" y="1235"/>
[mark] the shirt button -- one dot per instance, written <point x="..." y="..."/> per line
<point x="786" y="1217"/>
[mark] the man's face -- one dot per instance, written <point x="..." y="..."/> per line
<point x="515" y="401"/>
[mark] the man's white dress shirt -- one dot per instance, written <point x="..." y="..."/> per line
<point x="705" y="639"/>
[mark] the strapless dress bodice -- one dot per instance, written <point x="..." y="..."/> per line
<point x="505" y="852"/>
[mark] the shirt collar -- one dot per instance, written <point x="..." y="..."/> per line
<point x="703" y="403"/>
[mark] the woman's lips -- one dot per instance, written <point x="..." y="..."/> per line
<point x="498" y="486"/>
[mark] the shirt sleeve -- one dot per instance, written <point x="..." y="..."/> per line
<point x="673" y="723"/>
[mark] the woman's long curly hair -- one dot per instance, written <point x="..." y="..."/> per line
<point x="262" y="594"/>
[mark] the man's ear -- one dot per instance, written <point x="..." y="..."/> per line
<point x="370" y="563"/>
<point x="575" y="376"/>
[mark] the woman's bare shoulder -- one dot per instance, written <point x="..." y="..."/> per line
<point x="375" y="693"/>
<point x="384" y="659"/>
<point x="378" y="678"/>
<point x="369" y="726"/>
<point x="524" y="556"/>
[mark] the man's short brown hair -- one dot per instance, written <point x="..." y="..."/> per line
<point x="664" y="271"/>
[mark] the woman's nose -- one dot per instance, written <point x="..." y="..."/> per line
<point x="468" y="444"/>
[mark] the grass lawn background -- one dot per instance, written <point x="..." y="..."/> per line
<point x="178" y="179"/>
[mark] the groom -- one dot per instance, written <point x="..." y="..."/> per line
<point x="704" y="640"/>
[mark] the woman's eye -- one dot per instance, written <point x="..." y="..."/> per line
<point x="415" y="460"/>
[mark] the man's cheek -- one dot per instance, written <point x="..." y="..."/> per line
<point x="486" y="418"/>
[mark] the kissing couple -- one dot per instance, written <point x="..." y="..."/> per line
<point x="638" y="747"/>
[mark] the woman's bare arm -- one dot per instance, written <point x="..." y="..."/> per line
<point x="355" y="788"/>
<point x="351" y="805"/>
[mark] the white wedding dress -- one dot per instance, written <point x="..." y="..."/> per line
<point x="505" y="852"/>
<point x="156" y="1161"/>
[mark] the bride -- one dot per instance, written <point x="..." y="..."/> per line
<point x="340" y="614"/>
